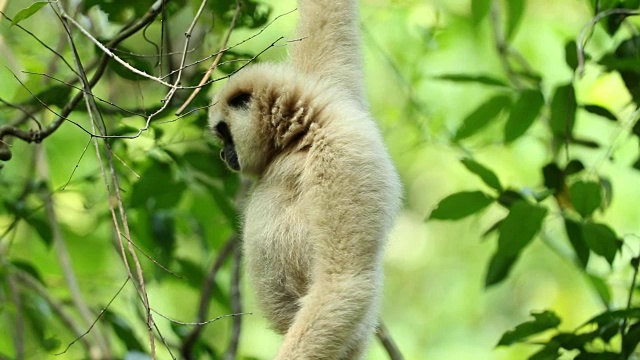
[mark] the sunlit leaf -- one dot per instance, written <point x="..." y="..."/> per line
<point x="602" y="240"/>
<point x="523" y="113"/>
<point x="28" y="12"/>
<point x="563" y="111"/>
<point x="460" y="205"/>
<point x="482" y="116"/>
<point x="541" y="322"/>
<point x="574" y="233"/>
<point x="487" y="176"/>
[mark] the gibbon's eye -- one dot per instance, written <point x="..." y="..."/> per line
<point x="240" y="100"/>
<point x="222" y="129"/>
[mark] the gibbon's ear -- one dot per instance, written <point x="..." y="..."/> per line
<point x="239" y="100"/>
<point x="228" y="153"/>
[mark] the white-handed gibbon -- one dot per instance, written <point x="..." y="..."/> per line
<point x="326" y="191"/>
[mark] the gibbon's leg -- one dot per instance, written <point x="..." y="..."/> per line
<point x="330" y="45"/>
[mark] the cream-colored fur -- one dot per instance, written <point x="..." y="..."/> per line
<point x="326" y="192"/>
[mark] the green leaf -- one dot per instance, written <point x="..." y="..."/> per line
<point x="630" y="339"/>
<point x="523" y="113"/>
<point x="571" y="54"/>
<point x="574" y="233"/>
<point x="157" y="189"/>
<point x="573" y="167"/>
<point x="499" y="267"/>
<point x="607" y="192"/>
<point x="550" y="351"/>
<point x="602" y="240"/>
<point x="515" y="10"/>
<point x="520" y="227"/>
<point x="468" y="78"/>
<point x="28" y="11"/>
<point x="163" y="232"/>
<point x="192" y="272"/>
<point x="563" y="111"/>
<point x="509" y="197"/>
<point x="29" y="269"/>
<point x="41" y="226"/>
<point x="459" y="205"/>
<point x="600" y="111"/>
<point x="482" y="116"/>
<point x="541" y="322"/>
<point x="586" y="197"/>
<point x="479" y="10"/>
<point x="123" y="331"/>
<point x="487" y="176"/>
<point x="553" y="177"/>
<point x="517" y="230"/>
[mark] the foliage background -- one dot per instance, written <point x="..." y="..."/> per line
<point x="180" y="199"/>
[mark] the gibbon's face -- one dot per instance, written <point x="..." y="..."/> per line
<point x="240" y="118"/>
<point x="252" y="116"/>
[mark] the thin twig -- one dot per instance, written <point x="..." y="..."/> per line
<point x="82" y="335"/>
<point x="581" y="43"/>
<point x="62" y="254"/>
<point x="236" y="305"/>
<point x="387" y="341"/>
<point x="27" y="281"/>
<point x="215" y="62"/>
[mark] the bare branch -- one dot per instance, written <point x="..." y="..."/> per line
<point x="205" y="296"/>
<point x="387" y="341"/>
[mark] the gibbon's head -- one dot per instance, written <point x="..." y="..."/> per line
<point x="260" y="112"/>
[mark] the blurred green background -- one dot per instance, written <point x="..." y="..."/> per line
<point x="175" y="188"/>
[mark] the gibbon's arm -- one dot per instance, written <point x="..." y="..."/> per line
<point x="330" y="43"/>
<point x="338" y="314"/>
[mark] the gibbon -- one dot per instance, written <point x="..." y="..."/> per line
<point x="325" y="193"/>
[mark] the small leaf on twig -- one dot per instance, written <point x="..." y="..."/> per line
<point x="459" y="205"/>
<point x="28" y="11"/>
